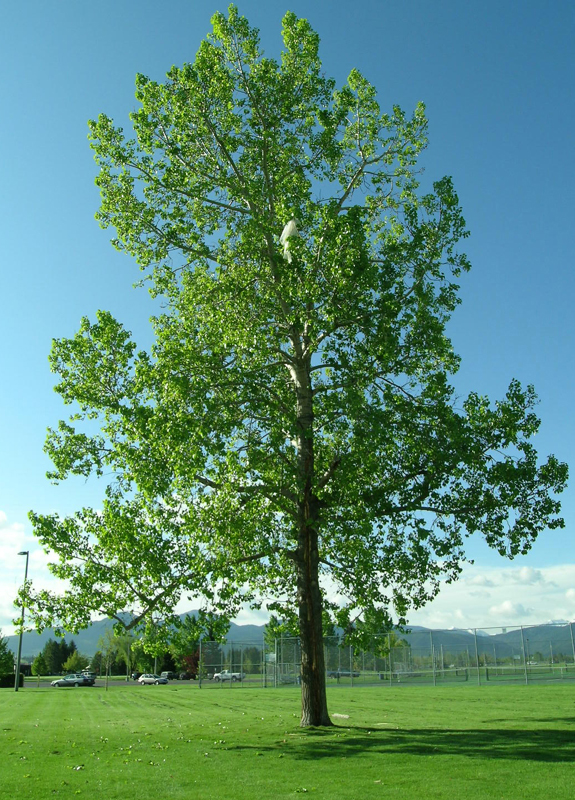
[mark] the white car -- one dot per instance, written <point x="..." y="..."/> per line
<point x="149" y="677"/>
<point x="225" y="675"/>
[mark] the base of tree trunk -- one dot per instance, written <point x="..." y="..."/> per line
<point x="308" y="723"/>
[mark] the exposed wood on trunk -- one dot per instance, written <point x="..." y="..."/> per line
<point x="314" y="700"/>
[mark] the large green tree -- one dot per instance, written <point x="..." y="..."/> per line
<point x="294" y="422"/>
<point x="55" y="654"/>
<point x="75" y="662"/>
<point x="39" y="666"/>
<point x="6" y="656"/>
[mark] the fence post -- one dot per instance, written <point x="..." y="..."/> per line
<point x="351" y="664"/>
<point x="276" y="663"/>
<point x="390" y="666"/>
<point x="200" y="665"/>
<point x="524" y="659"/>
<point x="477" y="657"/>
<point x="264" y="663"/>
<point x="298" y="655"/>
<point x="432" y="658"/>
<point x="572" y="642"/>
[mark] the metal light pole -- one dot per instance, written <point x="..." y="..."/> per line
<point x="17" y="679"/>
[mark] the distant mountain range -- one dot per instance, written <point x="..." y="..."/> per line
<point x="87" y="640"/>
<point x="546" y="640"/>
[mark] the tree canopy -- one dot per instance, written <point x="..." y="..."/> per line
<point x="54" y="655"/>
<point x="6" y="656"/>
<point x="293" y="431"/>
<point x="75" y="662"/>
<point x="39" y="666"/>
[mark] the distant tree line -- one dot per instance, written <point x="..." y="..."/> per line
<point x="175" y="649"/>
<point x="6" y="656"/>
<point x="56" y="657"/>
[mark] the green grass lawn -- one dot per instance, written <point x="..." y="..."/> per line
<point x="163" y="742"/>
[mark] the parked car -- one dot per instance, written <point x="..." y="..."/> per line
<point x="225" y="675"/>
<point x="74" y="679"/>
<point x="342" y="673"/>
<point x="135" y="675"/>
<point x="170" y="676"/>
<point x="149" y="677"/>
<point x="187" y="676"/>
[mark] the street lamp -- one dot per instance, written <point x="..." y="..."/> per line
<point x="17" y="680"/>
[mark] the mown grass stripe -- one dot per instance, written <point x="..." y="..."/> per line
<point x="492" y="742"/>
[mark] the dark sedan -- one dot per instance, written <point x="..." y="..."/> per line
<point x="76" y="679"/>
<point x="341" y="673"/>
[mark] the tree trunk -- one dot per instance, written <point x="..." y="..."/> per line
<point x="313" y="693"/>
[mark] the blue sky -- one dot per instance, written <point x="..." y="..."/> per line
<point x="497" y="79"/>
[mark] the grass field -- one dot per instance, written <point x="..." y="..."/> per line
<point x="177" y="741"/>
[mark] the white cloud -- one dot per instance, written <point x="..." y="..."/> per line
<point x="14" y="539"/>
<point x="516" y="596"/>
<point x="252" y="617"/>
<point x="480" y="580"/>
<point x="511" y="610"/>
<point x="527" y="576"/>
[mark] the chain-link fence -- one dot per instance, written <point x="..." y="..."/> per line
<point x="521" y="654"/>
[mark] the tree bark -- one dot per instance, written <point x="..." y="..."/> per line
<point x="313" y="694"/>
<point x="313" y="691"/>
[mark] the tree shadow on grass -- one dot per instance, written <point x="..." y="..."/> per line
<point x="550" y="745"/>
<point x="563" y="720"/>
